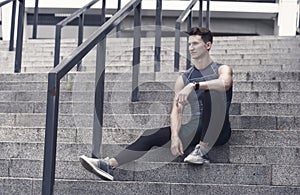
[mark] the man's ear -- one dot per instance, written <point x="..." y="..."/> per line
<point x="208" y="45"/>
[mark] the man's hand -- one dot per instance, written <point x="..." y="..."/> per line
<point x="182" y="96"/>
<point x="176" y="146"/>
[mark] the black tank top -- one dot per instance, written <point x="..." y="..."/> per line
<point x="209" y="73"/>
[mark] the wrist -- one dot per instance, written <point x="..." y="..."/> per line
<point x="196" y="85"/>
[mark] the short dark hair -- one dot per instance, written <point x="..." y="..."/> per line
<point x="205" y="34"/>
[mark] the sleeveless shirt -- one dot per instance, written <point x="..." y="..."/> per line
<point x="209" y="73"/>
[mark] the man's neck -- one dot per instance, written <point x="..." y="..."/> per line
<point x="202" y="63"/>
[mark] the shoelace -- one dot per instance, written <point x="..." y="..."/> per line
<point x="197" y="151"/>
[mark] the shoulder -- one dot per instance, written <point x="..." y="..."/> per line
<point x="188" y="71"/>
<point x="186" y="74"/>
<point x="223" y="68"/>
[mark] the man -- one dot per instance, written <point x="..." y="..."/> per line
<point x="207" y="88"/>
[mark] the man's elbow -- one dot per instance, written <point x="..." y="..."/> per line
<point x="227" y="84"/>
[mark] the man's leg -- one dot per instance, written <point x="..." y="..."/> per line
<point x="150" y="138"/>
<point x="142" y="145"/>
<point x="158" y="138"/>
<point x="104" y="167"/>
<point x="216" y="126"/>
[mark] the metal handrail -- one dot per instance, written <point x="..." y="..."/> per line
<point x="20" y="32"/>
<point x="158" y="22"/>
<point x="5" y="2"/>
<point x="13" y="18"/>
<point x="187" y="13"/>
<point x="35" y="20"/>
<point x="19" y="43"/>
<point x="77" y="14"/>
<point x="57" y="73"/>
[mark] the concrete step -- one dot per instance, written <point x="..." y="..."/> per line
<point x="146" y="110"/>
<point x="266" y="97"/>
<point x="247" y="137"/>
<point x="250" y="41"/>
<point x="142" y="121"/>
<point x="266" y="86"/>
<point x="265" y="155"/>
<point x="237" y="154"/>
<point x="76" y="85"/>
<point x="124" y="52"/>
<point x="270" y="109"/>
<point x="70" y="187"/>
<point x="146" y="77"/>
<point x="164" y="108"/>
<point x="37" y="134"/>
<point x="149" y="50"/>
<point x="82" y="76"/>
<point x="266" y="138"/>
<point x="148" y="67"/>
<point x="214" y="173"/>
<point x="263" y="68"/>
<point x="166" y="65"/>
<point x="147" y="95"/>
<point x="229" y="61"/>
<point x="127" y="45"/>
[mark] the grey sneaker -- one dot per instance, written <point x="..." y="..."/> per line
<point x="100" y="167"/>
<point x="197" y="156"/>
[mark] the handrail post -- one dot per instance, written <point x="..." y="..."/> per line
<point x="57" y="45"/>
<point x="158" y="21"/>
<point x="35" y="22"/>
<point x="19" y="46"/>
<point x="99" y="99"/>
<point x="103" y="12"/>
<point x="51" y="134"/>
<point x="136" y="53"/>
<point x="80" y="36"/>
<point x="200" y="19"/>
<point x="12" y="27"/>
<point x="187" y="13"/>
<point x="208" y="14"/>
<point x="177" y="47"/>
<point x="188" y="55"/>
<point x="118" y="26"/>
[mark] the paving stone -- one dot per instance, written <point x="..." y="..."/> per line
<point x="4" y="168"/>
<point x="265" y="155"/>
<point x="231" y="189"/>
<point x="266" y="138"/>
<point x="15" y="186"/>
<point x="281" y="109"/>
<point x="283" y="175"/>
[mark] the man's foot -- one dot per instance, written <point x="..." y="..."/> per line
<point x="100" y="167"/>
<point x="197" y="156"/>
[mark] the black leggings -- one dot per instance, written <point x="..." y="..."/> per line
<point x="190" y="134"/>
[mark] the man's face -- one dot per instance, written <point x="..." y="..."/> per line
<point x="197" y="47"/>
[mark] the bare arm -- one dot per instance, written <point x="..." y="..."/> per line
<point x="176" y="120"/>
<point x="223" y="83"/>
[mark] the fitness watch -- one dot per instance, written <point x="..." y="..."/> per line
<point x="197" y="85"/>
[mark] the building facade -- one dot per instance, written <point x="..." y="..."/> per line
<point x="228" y="17"/>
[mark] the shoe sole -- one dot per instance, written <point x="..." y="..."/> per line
<point x="93" y="169"/>
<point x="196" y="163"/>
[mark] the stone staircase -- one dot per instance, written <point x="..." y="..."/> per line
<point x="262" y="157"/>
